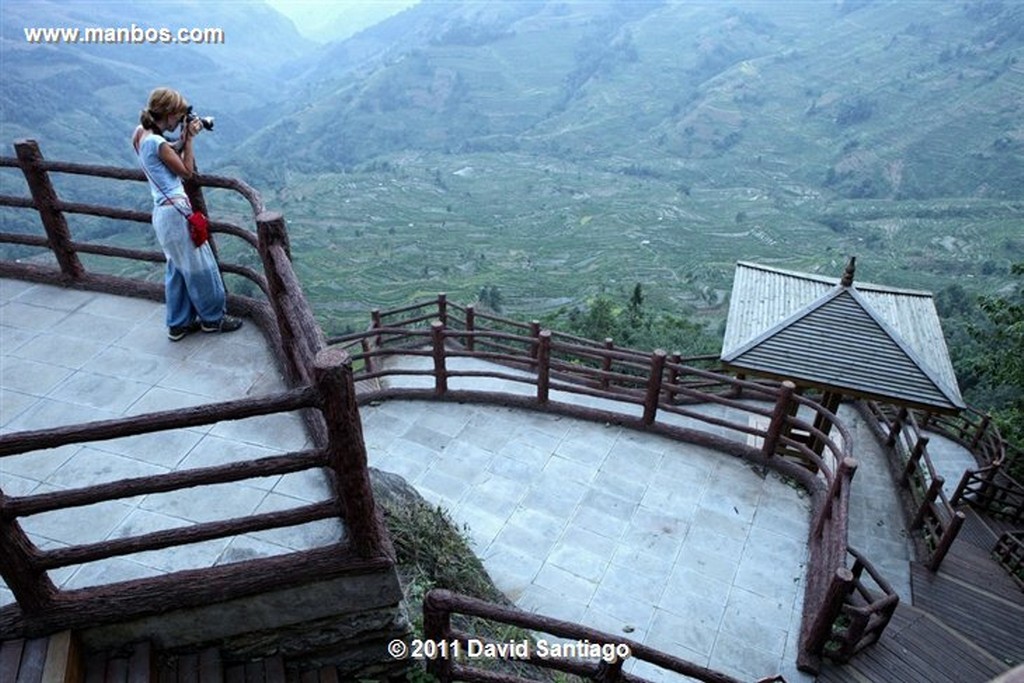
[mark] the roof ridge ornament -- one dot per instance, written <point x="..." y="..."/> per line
<point x="851" y="266"/>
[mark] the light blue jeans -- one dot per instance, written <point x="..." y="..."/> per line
<point x="193" y="288"/>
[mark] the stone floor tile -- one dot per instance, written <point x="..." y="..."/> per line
<point x="89" y="466"/>
<point x="13" y="404"/>
<point x="565" y="583"/>
<point x="109" y="571"/>
<point x="88" y="524"/>
<point x="15" y="339"/>
<point x="167" y="448"/>
<point x="300" y="537"/>
<point x="112" y="394"/>
<point x="32" y="377"/>
<point x="40" y="465"/>
<point x="207" y="503"/>
<point x="734" y="656"/>
<point x="755" y="620"/>
<point x="578" y="561"/>
<point x="619" y="614"/>
<point x="33" y="318"/>
<point x="541" y="600"/>
<point x="282" y="431"/>
<point x="686" y="636"/>
<point x="562" y="469"/>
<point x="59" y="350"/>
<point x="159" y="399"/>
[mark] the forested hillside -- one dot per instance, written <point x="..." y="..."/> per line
<point x="589" y="162"/>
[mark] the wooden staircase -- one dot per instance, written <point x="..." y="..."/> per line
<point x="966" y="624"/>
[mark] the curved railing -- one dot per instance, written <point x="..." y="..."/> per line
<point x="767" y="423"/>
<point x="934" y="513"/>
<point x="324" y="395"/>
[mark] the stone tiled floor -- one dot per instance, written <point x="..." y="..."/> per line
<point x="70" y="356"/>
<point x="683" y="548"/>
<point x="670" y="544"/>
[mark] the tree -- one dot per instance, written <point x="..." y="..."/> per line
<point x="999" y="363"/>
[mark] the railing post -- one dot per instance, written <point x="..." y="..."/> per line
<point x="609" y="672"/>
<point x="437" y="627"/>
<point x="929" y="497"/>
<point x="376" y="324"/>
<point x="442" y="308"/>
<point x="470" y="327"/>
<point x="778" y="422"/>
<point x="673" y="377"/>
<point x="979" y="433"/>
<point x="897" y="427"/>
<point x="654" y="386"/>
<point x="194" y="192"/>
<point x="30" y="585"/>
<point x="965" y="480"/>
<point x="948" y="536"/>
<point x="841" y="479"/>
<point x="46" y="201"/>
<point x="535" y="335"/>
<point x="915" y="457"/>
<point x="831" y="606"/>
<point x="543" y="366"/>
<point x="301" y="336"/>
<point x="346" y="451"/>
<point x="606" y="362"/>
<point x="440" y="369"/>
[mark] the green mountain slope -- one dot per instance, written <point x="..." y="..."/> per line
<point x="560" y="150"/>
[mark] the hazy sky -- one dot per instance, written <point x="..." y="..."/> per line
<point x="325" y="20"/>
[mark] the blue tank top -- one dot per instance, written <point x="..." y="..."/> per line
<point x="160" y="177"/>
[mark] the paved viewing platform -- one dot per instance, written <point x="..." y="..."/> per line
<point x="686" y="549"/>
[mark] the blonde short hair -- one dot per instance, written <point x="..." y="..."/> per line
<point x="162" y="102"/>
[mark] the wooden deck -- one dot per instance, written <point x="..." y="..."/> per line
<point x="966" y="624"/>
<point x="916" y="647"/>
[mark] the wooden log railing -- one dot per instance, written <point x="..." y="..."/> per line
<point x="933" y="512"/>
<point x="600" y="656"/>
<point x="866" y="609"/>
<point x="660" y="393"/>
<point x="41" y="607"/>
<point x="324" y="395"/>
<point x="994" y="491"/>
<point x="648" y="391"/>
<point x="1009" y="552"/>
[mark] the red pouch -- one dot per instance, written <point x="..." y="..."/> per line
<point x="198" y="228"/>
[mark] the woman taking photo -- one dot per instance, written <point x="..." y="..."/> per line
<point x="194" y="290"/>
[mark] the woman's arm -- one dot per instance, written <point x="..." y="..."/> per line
<point x="182" y="165"/>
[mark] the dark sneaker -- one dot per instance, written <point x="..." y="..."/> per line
<point x="181" y="331"/>
<point x="225" y="324"/>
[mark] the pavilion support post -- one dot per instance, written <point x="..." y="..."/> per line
<point x="822" y="422"/>
<point x="780" y="417"/>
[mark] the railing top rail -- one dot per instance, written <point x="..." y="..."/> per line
<point x="123" y="173"/>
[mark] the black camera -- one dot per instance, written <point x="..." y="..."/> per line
<point x="191" y="116"/>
